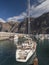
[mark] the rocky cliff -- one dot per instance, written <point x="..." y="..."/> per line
<point x="38" y="25"/>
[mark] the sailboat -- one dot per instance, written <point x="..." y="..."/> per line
<point x="25" y="49"/>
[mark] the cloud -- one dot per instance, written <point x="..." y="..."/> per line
<point x="17" y="18"/>
<point x="1" y="20"/>
<point x="40" y="1"/>
<point x="37" y="11"/>
<point x="40" y="9"/>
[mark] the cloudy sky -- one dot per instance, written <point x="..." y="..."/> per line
<point x="17" y="9"/>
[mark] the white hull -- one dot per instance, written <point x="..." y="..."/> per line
<point x="30" y="53"/>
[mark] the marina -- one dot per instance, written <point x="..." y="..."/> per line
<point x="22" y="43"/>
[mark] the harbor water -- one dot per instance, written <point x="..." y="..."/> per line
<point x="8" y="49"/>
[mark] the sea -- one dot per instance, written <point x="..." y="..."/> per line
<point x="8" y="50"/>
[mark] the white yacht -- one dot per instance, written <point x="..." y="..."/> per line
<point x="25" y="50"/>
<point x="26" y="46"/>
<point x="23" y="56"/>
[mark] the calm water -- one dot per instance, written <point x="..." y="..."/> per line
<point x="7" y="53"/>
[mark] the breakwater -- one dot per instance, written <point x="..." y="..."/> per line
<point x="6" y="35"/>
<point x="9" y="35"/>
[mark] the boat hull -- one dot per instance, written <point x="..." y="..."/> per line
<point x="30" y="53"/>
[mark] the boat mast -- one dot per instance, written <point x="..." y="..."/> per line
<point x="28" y="16"/>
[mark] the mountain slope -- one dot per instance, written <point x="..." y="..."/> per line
<point x="37" y="25"/>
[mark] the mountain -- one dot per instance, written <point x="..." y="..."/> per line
<point x="37" y="25"/>
<point x="10" y="26"/>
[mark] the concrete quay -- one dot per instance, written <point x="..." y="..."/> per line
<point x="9" y="35"/>
<point x="6" y="35"/>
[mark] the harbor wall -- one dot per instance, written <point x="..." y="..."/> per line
<point x="6" y="35"/>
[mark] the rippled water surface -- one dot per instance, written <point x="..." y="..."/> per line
<point x="8" y="48"/>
